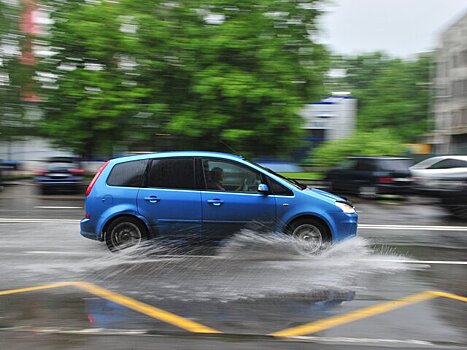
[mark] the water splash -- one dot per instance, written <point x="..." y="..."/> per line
<point x="248" y="266"/>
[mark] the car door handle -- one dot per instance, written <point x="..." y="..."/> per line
<point x="215" y="202"/>
<point x="152" y="199"/>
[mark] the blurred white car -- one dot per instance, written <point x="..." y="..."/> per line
<point x="431" y="174"/>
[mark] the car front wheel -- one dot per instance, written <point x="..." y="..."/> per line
<point x="313" y="233"/>
<point x="124" y="233"/>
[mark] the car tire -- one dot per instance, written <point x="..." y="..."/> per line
<point x="458" y="211"/>
<point x="368" y="192"/>
<point x="44" y="191"/>
<point x="125" y="232"/>
<point x="311" y="231"/>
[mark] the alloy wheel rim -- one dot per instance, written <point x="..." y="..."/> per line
<point x="310" y="234"/>
<point x="125" y="235"/>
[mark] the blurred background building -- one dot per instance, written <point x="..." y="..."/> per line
<point x="330" y="119"/>
<point x="450" y="106"/>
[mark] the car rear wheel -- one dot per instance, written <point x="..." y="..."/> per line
<point x="44" y="190"/>
<point x="313" y="233"/>
<point x="124" y="233"/>
<point x="458" y="211"/>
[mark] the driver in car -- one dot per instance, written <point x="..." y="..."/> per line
<point x="216" y="176"/>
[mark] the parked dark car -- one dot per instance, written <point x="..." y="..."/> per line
<point x="64" y="174"/>
<point x="452" y="194"/>
<point x="6" y="167"/>
<point x="369" y="177"/>
<point x="1" y="175"/>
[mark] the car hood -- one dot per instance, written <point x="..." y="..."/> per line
<point x="325" y="195"/>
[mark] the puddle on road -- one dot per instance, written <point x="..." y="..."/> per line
<point x="248" y="266"/>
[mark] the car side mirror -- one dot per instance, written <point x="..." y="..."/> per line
<point x="263" y="188"/>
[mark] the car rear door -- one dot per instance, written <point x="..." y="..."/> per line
<point x="362" y="175"/>
<point x="170" y="200"/>
<point x="341" y="176"/>
<point x="237" y="204"/>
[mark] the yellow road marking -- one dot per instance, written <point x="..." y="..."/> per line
<point x="356" y="315"/>
<point x="196" y="327"/>
<point x="450" y="296"/>
<point x="146" y="309"/>
<point x="130" y="303"/>
<point x="33" y="289"/>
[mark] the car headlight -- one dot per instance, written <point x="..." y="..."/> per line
<point x="346" y="208"/>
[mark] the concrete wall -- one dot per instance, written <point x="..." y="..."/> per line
<point x="450" y="105"/>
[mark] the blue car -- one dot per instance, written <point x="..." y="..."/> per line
<point x="206" y="196"/>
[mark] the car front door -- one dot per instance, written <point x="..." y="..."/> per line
<point x="231" y="201"/>
<point x="171" y="199"/>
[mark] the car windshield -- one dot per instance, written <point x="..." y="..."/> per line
<point x="293" y="182"/>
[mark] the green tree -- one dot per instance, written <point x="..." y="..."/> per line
<point x="208" y="72"/>
<point x="11" y="115"/>
<point x="392" y="93"/>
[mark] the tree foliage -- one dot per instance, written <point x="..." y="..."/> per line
<point x="11" y="123"/>
<point x="392" y="93"/>
<point x="208" y="72"/>
<point x="380" y="142"/>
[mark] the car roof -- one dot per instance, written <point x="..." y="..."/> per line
<point x="380" y="157"/>
<point x="178" y="154"/>
<point x="460" y="157"/>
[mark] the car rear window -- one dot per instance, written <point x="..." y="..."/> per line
<point x="56" y="165"/>
<point x="176" y="173"/>
<point x="395" y="164"/>
<point x="128" y="174"/>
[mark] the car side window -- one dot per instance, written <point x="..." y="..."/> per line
<point x="449" y="163"/>
<point x="229" y="177"/>
<point x="278" y="189"/>
<point x="173" y="173"/>
<point x="128" y="174"/>
<point x="364" y="165"/>
<point x="348" y="164"/>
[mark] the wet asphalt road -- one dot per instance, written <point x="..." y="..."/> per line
<point x="248" y="289"/>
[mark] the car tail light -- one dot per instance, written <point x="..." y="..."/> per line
<point x="99" y="172"/>
<point x="75" y="171"/>
<point x="385" y="180"/>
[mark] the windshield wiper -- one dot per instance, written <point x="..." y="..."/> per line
<point x="295" y="182"/>
<point x="299" y="184"/>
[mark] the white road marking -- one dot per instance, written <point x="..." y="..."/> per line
<point x="54" y="252"/>
<point x="428" y="262"/>
<point x="412" y="227"/>
<point x="364" y="341"/>
<point x="37" y="221"/>
<point x="52" y="207"/>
